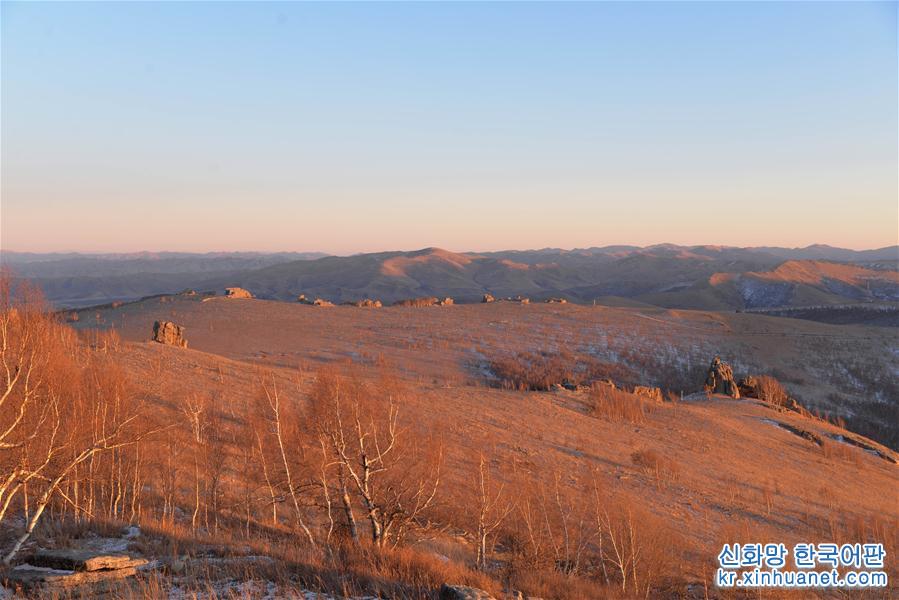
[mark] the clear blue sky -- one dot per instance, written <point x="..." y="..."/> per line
<point x="369" y="126"/>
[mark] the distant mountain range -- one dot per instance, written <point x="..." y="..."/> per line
<point x="700" y="277"/>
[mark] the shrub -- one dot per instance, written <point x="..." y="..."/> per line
<point x="540" y="371"/>
<point x="770" y="390"/>
<point x="664" y="469"/>
<point x="616" y="405"/>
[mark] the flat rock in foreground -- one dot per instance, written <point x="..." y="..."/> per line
<point x="44" y="580"/>
<point x="83" y="560"/>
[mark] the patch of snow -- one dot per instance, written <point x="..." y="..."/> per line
<point x="843" y="440"/>
<point x="131" y="532"/>
<point x="265" y="590"/>
<point x="110" y="544"/>
<point x="48" y="570"/>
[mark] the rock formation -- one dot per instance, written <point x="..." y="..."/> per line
<point x="365" y="303"/>
<point x="236" y="292"/>
<point x="605" y="383"/>
<point x="462" y="592"/>
<point x="720" y="379"/>
<point x="166" y="332"/>
<point x="750" y="387"/>
<point x="417" y="302"/>
<point x="650" y="393"/>
<point x="74" y="573"/>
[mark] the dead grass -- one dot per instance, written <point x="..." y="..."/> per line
<point x="664" y="469"/>
<point x="606" y="402"/>
<point x="540" y="371"/>
<point x="538" y="447"/>
<point x="839" y="451"/>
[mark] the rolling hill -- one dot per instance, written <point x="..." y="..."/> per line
<point x="698" y="277"/>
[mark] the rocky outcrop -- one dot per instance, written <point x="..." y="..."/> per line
<point x="768" y="389"/>
<point x="720" y="379"/>
<point x="462" y="592"/>
<point x="417" y="302"/>
<point x="83" y="560"/>
<point x="605" y="383"/>
<point x="750" y="387"/>
<point x="236" y="292"/>
<point x="73" y="573"/>
<point x="365" y="303"/>
<point x="650" y="393"/>
<point x="488" y="298"/>
<point x="166" y="332"/>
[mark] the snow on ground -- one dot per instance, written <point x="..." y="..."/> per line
<point x="263" y="590"/>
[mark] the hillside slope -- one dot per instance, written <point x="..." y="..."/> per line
<point x="699" y="277"/>
<point x="669" y="277"/>
<point x="843" y="370"/>
<point x="731" y="470"/>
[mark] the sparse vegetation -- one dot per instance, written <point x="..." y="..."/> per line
<point x="334" y="478"/>
<point x="770" y="390"/>
<point x="662" y="468"/>
<point x="540" y="371"/>
<point x="608" y="402"/>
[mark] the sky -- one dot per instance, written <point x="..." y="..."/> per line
<point x="355" y="127"/>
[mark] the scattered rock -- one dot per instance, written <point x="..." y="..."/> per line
<point x="166" y="332"/>
<point x="417" y="302"/>
<point x="720" y="379"/>
<point x="488" y="298"/>
<point x="462" y="592"/>
<point x="650" y="393"/>
<point x="365" y="303"/>
<point x="236" y="292"/>
<point x="302" y="299"/>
